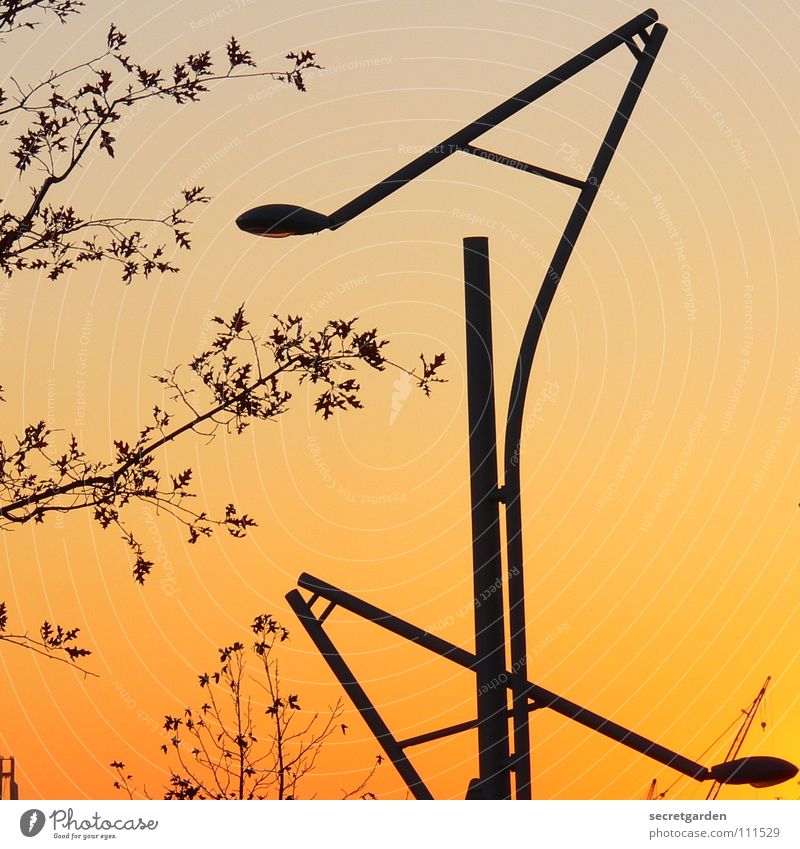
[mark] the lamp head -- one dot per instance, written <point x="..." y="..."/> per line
<point x="278" y="220"/>
<point x="759" y="771"/>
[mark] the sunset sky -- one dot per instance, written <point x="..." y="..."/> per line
<point x="661" y="454"/>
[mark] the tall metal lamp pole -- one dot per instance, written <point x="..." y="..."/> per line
<point x="500" y="754"/>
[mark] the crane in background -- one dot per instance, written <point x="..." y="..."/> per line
<point x="733" y="751"/>
<point x="741" y="734"/>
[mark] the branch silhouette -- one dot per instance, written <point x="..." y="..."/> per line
<point x="54" y="642"/>
<point x="218" y="751"/>
<point x="239" y="379"/>
<point x="66" y="117"/>
<point x="14" y="13"/>
<point x="58" y="126"/>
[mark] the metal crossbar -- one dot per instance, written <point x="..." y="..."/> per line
<point x="537" y="697"/>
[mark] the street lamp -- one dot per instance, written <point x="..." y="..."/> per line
<point x="278" y="220"/>
<point x="499" y="757"/>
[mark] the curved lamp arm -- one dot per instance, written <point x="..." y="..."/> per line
<point x="278" y="220"/>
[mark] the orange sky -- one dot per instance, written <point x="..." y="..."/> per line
<point x="660" y="468"/>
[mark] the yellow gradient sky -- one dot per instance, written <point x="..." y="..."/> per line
<point x="660" y="469"/>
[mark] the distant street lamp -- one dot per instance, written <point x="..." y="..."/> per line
<point x="496" y="760"/>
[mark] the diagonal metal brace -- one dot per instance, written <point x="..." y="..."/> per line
<point x="538" y="697"/>
<point x="358" y="696"/>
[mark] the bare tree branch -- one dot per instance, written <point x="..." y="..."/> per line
<point x="13" y="13"/>
<point x="68" y="118"/>
<point x="239" y="379"/>
<point x="54" y="642"/>
<point x="58" y="124"/>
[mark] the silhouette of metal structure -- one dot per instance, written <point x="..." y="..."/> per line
<point x="741" y="734"/>
<point x="501" y="754"/>
<point x="8" y="783"/>
<point x="755" y="770"/>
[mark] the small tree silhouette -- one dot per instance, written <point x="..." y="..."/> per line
<point x="219" y="751"/>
